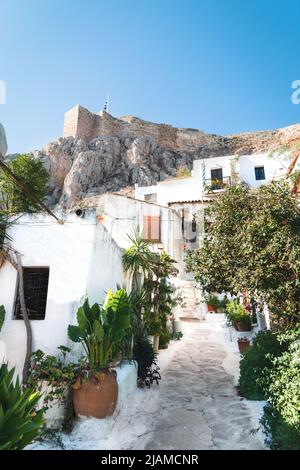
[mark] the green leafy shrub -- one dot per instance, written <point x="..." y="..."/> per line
<point x="284" y="388"/>
<point x="164" y="339"/>
<point x="257" y="363"/>
<point x="20" y="424"/>
<point x="31" y="172"/>
<point x="178" y="335"/>
<point x="280" y="435"/>
<point x="270" y="370"/>
<point x="148" y="370"/>
<point x="55" y="370"/>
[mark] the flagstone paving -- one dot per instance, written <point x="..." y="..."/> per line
<point x="196" y="406"/>
<point x="198" y="402"/>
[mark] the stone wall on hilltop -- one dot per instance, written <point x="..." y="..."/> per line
<point x="103" y="154"/>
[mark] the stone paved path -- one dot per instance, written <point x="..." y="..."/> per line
<point x="198" y="403"/>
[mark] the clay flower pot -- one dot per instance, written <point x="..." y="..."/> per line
<point x="243" y="345"/>
<point x="242" y="326"/>
<point x="97" y="396"/>
<point x="211" y="308"/>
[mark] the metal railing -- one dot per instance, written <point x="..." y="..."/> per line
<point x="216" y="184"/>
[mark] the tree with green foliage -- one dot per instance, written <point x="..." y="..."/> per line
<point x="252" y="243"/>
<point x="33" y="174"/>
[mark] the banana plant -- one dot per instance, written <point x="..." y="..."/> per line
<point x="101" y="330"/>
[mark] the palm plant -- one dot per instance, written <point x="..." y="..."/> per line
<point x="138" y="257"/>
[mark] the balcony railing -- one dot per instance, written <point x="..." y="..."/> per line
<point x="217" y="184"/>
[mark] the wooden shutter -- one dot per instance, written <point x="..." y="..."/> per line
<point x="151" y="228"/>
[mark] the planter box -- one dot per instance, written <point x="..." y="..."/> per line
<point x="55" y="415"/>
<point x="127" y="383"/>
<point x="177" y="326"/>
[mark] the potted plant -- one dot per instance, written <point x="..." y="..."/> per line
<point x="164" y="339"/>
<point x="238" y="316"/>
<point x="100" y="330"/>
<point x="243" y="344"/>
<point x="211" y="302"/>
<point x="215" y="304"/>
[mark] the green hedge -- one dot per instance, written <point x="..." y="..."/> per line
<point x="270" y="370"/>
<point x="256" y="365"/>
<point x="280" y="435"/>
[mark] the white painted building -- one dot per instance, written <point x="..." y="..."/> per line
<point x="210" y="175"/>
<point x="64" y="263"/>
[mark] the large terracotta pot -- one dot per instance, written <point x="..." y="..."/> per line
<point x="97" y="396"/>
<point x="242" y="326"/>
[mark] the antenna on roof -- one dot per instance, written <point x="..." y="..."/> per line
<point x="106" y="104"/>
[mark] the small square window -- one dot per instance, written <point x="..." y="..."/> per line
<point x="36" y="282"/>
<point x="260" y="173"/>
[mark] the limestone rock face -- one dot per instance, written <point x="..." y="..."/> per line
<point x="3" y="142"/>
<point x="80" y="169"/>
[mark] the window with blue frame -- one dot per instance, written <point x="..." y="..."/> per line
<point x="260" y="173"/>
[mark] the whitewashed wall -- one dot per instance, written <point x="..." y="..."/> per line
<point x="122" y="215"/>
<point x="105" y="271"/>
<point x="275" y="167"/>
<point x="172" y="191"/>
<point x="188" y="189"/>
<point x="82" y="260"/>
<point x="212" y="164"/>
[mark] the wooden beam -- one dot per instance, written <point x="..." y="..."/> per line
<point x="26" y="366"/>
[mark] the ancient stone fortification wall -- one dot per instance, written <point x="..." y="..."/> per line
<point x="79" y="122"/>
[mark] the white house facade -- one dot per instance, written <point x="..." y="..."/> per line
<point x="64" y="263"/>
<point x="214" y="174"/>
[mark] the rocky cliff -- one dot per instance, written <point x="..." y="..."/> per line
<point x="81" y="168"/>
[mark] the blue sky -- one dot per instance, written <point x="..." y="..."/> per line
<point x="223" y="66"/>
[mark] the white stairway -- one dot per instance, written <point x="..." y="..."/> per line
<point x="190" y="309"/>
